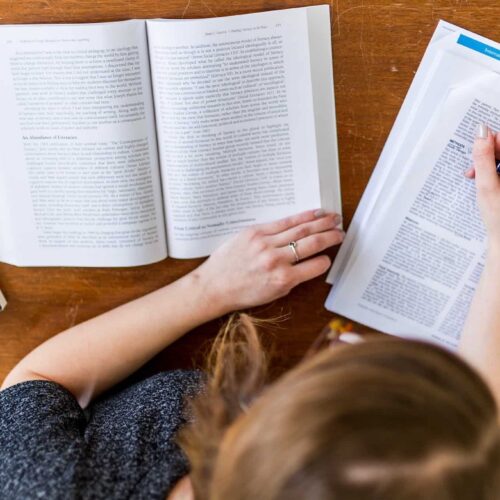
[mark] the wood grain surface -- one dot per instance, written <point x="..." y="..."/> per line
<point x="377" y="47"/>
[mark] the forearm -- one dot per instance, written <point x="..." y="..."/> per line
<point x="95" y="355"/>
<point x="252" y="268"/>
<point x="480" y="343"/>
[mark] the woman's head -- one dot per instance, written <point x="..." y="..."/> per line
<point x="386" y="419"/>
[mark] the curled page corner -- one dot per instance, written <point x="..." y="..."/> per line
<point x="487" y="79"/>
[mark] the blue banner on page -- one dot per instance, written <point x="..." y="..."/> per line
<point x="481" y="47"/>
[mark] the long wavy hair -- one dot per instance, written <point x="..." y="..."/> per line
<point x="386" y="419"/>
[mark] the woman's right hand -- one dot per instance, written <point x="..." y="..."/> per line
<point x="486" y="149"/>
<point x="480" y="339"/>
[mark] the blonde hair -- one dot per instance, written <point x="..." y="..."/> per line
<point x="386" y="419"/>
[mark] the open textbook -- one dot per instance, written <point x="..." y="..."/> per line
<point x="122" y="143"/>
<point x="414" y="252"/>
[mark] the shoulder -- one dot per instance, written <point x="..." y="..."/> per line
<point x="50" y="445"/>
<point x="38" y="419"/>
<point x="28" y="406"/>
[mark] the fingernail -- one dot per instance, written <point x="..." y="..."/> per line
<point x="319" y="213"/>
<point x="469" y="172"/>
<point x="337" y="220"/>
<point x="482" y="131"/>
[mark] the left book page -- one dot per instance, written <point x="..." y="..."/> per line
<point x="79" y="175"/>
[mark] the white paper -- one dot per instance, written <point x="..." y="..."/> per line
<point x="444" y="65"/>
<point x="419" y="211"/>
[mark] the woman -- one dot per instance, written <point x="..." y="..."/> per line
<point x="388" y="419"/>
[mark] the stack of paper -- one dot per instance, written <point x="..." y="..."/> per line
<point x="414" y="252"/>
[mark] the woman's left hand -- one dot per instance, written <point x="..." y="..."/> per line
<point x="257" y="266"/>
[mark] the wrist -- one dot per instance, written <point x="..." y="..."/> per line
<point x="205" y="295"/>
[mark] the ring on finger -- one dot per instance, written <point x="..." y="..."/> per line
<point x="293" y="247"/>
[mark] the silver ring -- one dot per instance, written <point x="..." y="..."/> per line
<point x="293" y="247"/>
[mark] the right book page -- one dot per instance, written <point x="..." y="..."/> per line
<point x="239" y="139"/>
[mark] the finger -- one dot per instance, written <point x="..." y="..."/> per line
<point x="309" y="269"/>
<point x="325" y="223"/>
<point x="483" y="154"/>
<point x="294" y="220"/>
<point x="311" y="245"/>
<point x="470" y="173"/>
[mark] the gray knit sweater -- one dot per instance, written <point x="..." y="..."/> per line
<point x="120" y="448"/>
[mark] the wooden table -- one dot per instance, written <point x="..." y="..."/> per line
<point x="377" y="47"/>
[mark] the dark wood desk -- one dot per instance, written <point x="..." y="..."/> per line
<point x="377" y="47"/>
